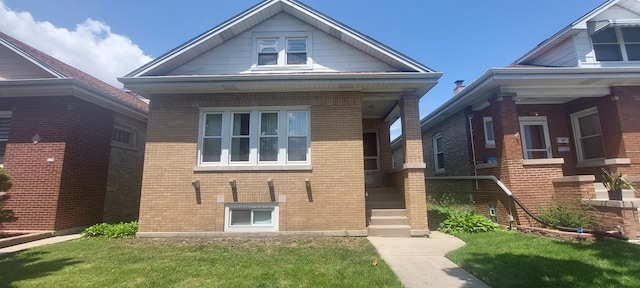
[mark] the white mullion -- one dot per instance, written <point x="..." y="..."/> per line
<point x="621" y="42"/>
<point x="283" y="132"/>
<point x="254" y="136"/>
<point x="226" y="137"/>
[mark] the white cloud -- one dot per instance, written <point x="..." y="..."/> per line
<point x="91" y="47"/>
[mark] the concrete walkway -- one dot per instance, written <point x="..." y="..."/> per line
<point x="420" y="262"/>
<point x="51" y="240"/>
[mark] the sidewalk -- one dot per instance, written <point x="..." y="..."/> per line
<point x="420" y="262"/>
<point x="51" y="240"/>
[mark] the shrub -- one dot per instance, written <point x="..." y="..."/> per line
<point x="466" y="221"/>
<point x="120" y="230"/>
<point x="567" y="214"/>
<point x="5" y="184"/>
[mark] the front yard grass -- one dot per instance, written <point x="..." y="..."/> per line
<point x="510" y="259"/>
<point x="313" y="262"/>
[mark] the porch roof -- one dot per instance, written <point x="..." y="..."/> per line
<point x="535" y="85"/>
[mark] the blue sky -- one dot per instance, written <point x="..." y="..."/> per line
<point x="460" y="38"/>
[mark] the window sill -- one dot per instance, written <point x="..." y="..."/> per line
<point x="123" y="146"/>
<point x="281" y="68"/>
<point x="253" y="168"/>
<point x="487" y="165"/>
<point x="604" y="162"/>
<point x="490" y="145"/>
<point x="548" y="161"/>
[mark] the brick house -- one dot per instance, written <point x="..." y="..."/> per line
<point x="277" y="121"/>
<point x="73" y="144"/>
<point x="548" y="123"/>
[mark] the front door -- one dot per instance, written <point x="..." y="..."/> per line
<point x="535" y="137"/>
<point x="371" y="159"/>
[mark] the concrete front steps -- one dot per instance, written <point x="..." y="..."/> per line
<point x="389" y="223"/>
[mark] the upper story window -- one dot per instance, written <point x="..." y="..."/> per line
<point x="5" y="125"/>
<point x="253" y="137"/>
<point x="290" y="50"/>
<point x="617" y="44"/>
<point x="588" y="134"/>
<point x="123" y="137"/>
<point x="489" y="138"/>
<point x="438" y="153"/>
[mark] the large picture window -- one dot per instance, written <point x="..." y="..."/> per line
<point x="254" y="137"/>
<point x="588" y="134"/>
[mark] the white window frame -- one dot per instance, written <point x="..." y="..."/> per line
<point x="5" y="114"/>
<point x="436" y="152"/>
<point x="620" y="43"/>
<point x="488" y="143"/>
<point x="535" y="120"/>
<point x="281" y="45"/>
<point x="132" y="138"/>
<point x="254" y="138"/>
<point x="577" y="137"/>
<point x="272" y="227"/>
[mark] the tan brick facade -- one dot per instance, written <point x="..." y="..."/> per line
<point x="333" y="201"/>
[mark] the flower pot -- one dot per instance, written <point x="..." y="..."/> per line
<point x="615" y="194"/>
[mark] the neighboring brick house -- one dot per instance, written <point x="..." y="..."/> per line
<point x="73" y="144"/>
<point x="546" y="124"/>
<point x="270" y="121"/>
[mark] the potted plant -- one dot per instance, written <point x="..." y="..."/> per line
<point x="615" y="183"/>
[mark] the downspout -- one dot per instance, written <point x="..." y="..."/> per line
<point x="473" y="151"/>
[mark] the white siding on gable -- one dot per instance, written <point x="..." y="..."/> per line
<point x="236" y="55"/>
<point x="584" y="50"/>
<point x="616" y="12"/>
<point x="14" y="66"/>
<point x="563" y="55"/>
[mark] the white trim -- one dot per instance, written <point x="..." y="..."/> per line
<point x="436" y="151"/>
<point x="226" y="164"/>
<point x="534" y="121"/>
<point x="488" y="143"/>
<point x="577" y="137"/>
<point x="281" y="50"/>
<point x="252" y="227"/>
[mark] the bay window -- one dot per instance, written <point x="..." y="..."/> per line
<point x="253" y="137"/>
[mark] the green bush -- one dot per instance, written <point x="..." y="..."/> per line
<point x="466" y="221"/>
<point x="5" y="184"/>
<point x="567" y="214"/>
<point x="120" y="230"/>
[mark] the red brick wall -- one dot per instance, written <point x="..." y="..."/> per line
<point x="59" y="183"/>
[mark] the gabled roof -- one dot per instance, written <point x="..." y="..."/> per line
<point x="262" y="11"/>
<point x="581" y="24"/>
<point x="96" y="90"/>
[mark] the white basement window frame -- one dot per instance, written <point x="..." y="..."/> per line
<point x="255" y="138"/>
<point x="282" y="51"/>
<point x="251" y="217"/>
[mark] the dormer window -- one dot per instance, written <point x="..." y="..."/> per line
<point x="287" y="50"/>
<point x="617" y="44"/>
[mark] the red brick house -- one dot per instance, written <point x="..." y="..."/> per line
<point x="277" y="121"/>
<point x="546" y="125"/>
<point x="73" y="144"/>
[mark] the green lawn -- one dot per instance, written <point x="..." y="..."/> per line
<point x="510" y="259"/>
<point x="317" y="262"/>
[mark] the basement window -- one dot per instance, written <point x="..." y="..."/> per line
<point x="251" y="217"/>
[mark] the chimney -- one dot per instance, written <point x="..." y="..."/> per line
<point x="459" y="87"/>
